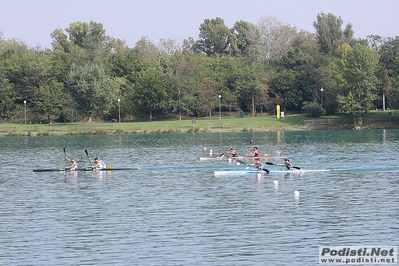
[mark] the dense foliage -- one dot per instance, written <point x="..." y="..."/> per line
<point x="250" y="67"/>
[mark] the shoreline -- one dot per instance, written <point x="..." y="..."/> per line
<point x="63" y="130"/>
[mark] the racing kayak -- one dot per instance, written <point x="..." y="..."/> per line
<point x="214" y="157"/>
<point x="264" y="171"/>
<point x="84" y="169"/>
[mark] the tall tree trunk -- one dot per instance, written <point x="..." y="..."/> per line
<point x="253" y="104"/>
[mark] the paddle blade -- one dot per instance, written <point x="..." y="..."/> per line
<point x="296" y="167"/>
<point x="269" y="163"/>
<point x="241" y="162"/>
<point x="87" y="153"/>
<point x="250" y="142"/>
<point x="266" y="170"/>
<point x="221" y="154"/>
<point x="64" y="150"/>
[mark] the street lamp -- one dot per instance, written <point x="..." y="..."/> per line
<point x="321" y="97"/>
<point x="119" y="106"/>
<point x="25" y="110"/>
<point x="220" y="110"/>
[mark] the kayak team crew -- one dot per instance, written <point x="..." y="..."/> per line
<point x="74" y="164"/>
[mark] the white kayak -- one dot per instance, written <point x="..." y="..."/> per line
<point x="264" y="171"/>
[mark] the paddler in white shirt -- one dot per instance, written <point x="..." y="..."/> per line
<point x="96" y="163"/>
<point x="74" y="164"/>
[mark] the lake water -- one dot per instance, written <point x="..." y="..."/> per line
<point x="173" y="211"/>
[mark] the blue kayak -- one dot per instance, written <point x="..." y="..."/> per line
<point x="264" y="171"/>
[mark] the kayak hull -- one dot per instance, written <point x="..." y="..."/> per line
<point x="214" y="157"/>
<point x="266" y="171"/>
<point x="84" y="169"/>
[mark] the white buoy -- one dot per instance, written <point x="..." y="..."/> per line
<point x="275" y="182"/>
<point x="296" y="193"/>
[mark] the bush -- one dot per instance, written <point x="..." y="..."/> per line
<point x="313" y="109"/>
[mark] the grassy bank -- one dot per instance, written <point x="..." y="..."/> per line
<point x="375" y="119"/>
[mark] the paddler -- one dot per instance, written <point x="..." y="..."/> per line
<point x="96" y="163"/>
<point x="74" y="164"/>
<point x="287" y="164"/>
<point x="255" y="152"/>
<point x="232" y="152"/>
<point x="258" y="165"/>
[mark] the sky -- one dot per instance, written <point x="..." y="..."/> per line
<point x="32" y="21"/>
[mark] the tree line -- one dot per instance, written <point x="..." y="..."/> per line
<point x="249" y="67"/>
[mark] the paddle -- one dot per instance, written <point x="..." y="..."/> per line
<point x="270" y="163"/>
<point x="242" y="162"/>
<point x="87" y="154"/>
<point x="65" y="155"/>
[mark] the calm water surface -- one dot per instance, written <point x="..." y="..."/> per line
<point x="173" y="211"/>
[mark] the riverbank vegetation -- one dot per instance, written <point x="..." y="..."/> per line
<point x="225" y="123"/>
<point x="250" y="69"/>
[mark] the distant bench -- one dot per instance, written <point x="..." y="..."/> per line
<point x="222" y="125"/>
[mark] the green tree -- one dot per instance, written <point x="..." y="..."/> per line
<point x="92" y="90"/>
<point x="216" y="38"/>
<point x="329" y="33"/>
<point x="359" y="82"/>
<point x="50" y="99"/>
<point x="253" y="86"/>
<point x="247" y="36"/>
<point x="206" y="97"/>
<point x="8" y="99"/>
<point x="87" y="43"/>
<point x="281" y="89"/>
<point x="152" y="92"/>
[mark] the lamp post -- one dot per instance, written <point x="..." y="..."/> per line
<point x="119" y="106"/>
<point x="321" y="97"/>
<point x="25" y="110"/>
<point x="220" y="110"/>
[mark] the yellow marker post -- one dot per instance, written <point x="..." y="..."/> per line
<point x="278" y="110"/>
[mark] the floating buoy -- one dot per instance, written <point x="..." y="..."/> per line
<point x="275" y="182"/>
<point x="296" y="193"/>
